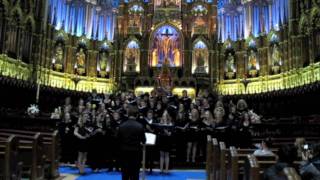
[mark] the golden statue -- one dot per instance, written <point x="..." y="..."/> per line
<point x="276" y="58"/>
<point x="252" y="61"/>
<point x="103" y="63"/>
<point x="166" y="44"/>
<point x="176" y="55"/>
<point x="154" y="61"/>
<point x="81" y="59"/>
<point x="58" y="58"/>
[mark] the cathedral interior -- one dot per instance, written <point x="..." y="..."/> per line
<point x="229" y="46"/>
<point x="227" y="57"/>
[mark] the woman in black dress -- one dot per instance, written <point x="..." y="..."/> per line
<point x="164" y="143"/>
<point x="192" y="132"/>
<point x="82" y="136"/>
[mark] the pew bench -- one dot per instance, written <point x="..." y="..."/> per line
<point x="10" y="167"/>
<point x="30" y="153"/>
<point x="51" y="150"/>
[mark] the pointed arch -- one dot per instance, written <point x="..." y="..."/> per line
<point x="131" y="59"/>
<point x="30" y="20"/>
<point x="200" y="57"/>
<point x="166" y="35"/>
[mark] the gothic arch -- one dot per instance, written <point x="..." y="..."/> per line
<point x="30" y="20"/>
<point x="131" y="56"/>
<point x="200" y="56"/>
<point x="16" y="11"/>
<point x="169" y="24"/>
<point x="315" y="17"/>
<point x="304" y="24"/>
<point x="6" y="7"/>
<point x="180" y="45"/>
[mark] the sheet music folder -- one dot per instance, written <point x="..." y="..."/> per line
<point x="150" y="139"/>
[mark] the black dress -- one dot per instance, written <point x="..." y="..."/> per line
<point x="82" y="144"/>
<point x="164" y="140"/>
<point x="192" y="131"/>
<point x="96" y="155"/>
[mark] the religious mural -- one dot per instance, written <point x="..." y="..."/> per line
<point x="166" y="45"/>
<point x="132" y="57"/>
<point x="200" y="58"/>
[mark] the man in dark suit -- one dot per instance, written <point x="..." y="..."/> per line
<point x="131" y="136"/>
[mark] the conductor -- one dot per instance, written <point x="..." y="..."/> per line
<point x="131" y="136"/>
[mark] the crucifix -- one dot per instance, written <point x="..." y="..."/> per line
<point x="166" y="43"/>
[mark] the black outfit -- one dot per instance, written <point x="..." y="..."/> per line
<point x="131" y="134"/>
<point x="164" y="140"/>
<point x="83" y="144"/>
<point x="67" y="140"/>
<point x="96" y="155"/>
<point x="193" y="131"/>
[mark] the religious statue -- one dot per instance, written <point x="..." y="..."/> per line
<point x="252" y="61"/>
<point x="200" y="62"/>
<point x="58" y="63"/>
<point x="276" y="59"/>
<point x="165" y="76"/>
<point x="230" y="67"/>
<point x="131" y="62"/>
<point x="154" y="57"/>
<point x="230" y="63"/>
<point x="80" y="63"/>
<point x="103" y="64"/>
<point x="176" y="55"/>
<point x="253" y="64"/>
<point x="166" y="45"/>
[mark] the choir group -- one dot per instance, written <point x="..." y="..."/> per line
<point x="180" y="123"/>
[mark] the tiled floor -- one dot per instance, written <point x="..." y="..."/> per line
<point x="71" y="173"/>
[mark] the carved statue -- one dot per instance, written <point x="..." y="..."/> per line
<point x="200" y="62"/>
<point x="58" y="58"/>
<point x="81" y="59"/>
<point x="154" y="57"/>
<point x="252" y="61"/>
<point x="131" y="61"/>
<point x="276" y="58"/>
<point x="176" y="54"/>
<point x="230" y="63"/>
<point x="166" y="44"/>
<point x="103" y="61"/>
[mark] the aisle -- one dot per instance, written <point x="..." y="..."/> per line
<point x="71" y="173"/>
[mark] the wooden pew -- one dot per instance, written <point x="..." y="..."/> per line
<point x="252" y="170"/>
<point x="10" y="168"/>
<point x="209" y="158"/>
<point x="237" y="158"/>
<point x="30" y="154"/>
<point x="223" y="163"/>
<point x="291" y="173"/>
<point x="50" y="148"/>
<point x="215" y="159"/>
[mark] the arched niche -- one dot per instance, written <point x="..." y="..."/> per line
<point x="166" y="42"/>
<point x="200" y="58"/>
<point x="132" y="57"/>
<point x="104" y="59"/>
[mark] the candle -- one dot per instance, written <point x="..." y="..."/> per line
<point x="38" y="93"/>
